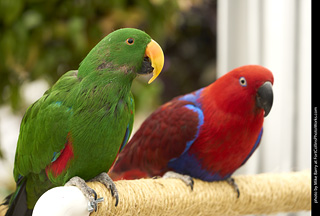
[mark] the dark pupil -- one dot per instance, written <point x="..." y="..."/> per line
<point x="130" y="40"/>
<point x="242" y="81"/>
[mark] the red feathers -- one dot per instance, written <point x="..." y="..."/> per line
<point x="61" y="163"/>
<point x="164" y="126"/>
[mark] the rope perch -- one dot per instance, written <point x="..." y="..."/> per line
<point x="259" y="194"/>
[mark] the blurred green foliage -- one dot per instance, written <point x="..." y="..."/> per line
<point x="46" y="38"/>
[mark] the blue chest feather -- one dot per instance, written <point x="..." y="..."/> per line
<point x="193" y="97"/>
<point x="190" y="165"/>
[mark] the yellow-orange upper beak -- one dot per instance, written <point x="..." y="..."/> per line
<point x="155" y="54"/>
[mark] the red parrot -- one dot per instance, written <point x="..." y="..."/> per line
<point x="207" y="134"/>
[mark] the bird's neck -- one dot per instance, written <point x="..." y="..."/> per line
<point x="106" y="85"/>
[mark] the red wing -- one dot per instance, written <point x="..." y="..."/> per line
<point x="162" y="137"/>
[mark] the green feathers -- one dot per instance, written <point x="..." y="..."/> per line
<point x="114" y="51"/>
<point x="79" y="125"/>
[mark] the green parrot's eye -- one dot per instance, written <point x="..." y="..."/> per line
<point x="130" y="41"/>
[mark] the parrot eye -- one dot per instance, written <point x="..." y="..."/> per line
<point x="243" y="81"/>
<point x="130" y="41"/>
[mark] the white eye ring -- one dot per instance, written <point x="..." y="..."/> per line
<point x="243" y="81"/>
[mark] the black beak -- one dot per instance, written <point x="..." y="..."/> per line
<point x="146" y="66"/>
<point x="264" y="98"/>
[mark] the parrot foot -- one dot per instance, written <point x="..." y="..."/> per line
<point x="185" y="178"/>
<point x="232" y="182"/>
<point x="107" y="181"/>
<point x="87" y="191"/>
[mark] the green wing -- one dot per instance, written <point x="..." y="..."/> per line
<point x="128" y="132"/>
<point x="130" y="125"/>
<point x="44" y="128"/>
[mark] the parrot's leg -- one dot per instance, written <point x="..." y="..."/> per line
<point x="185" y="178"/>
<point x="107" y="181"/>
<point x="232" y="182"/>
<point x="87" y="191"/>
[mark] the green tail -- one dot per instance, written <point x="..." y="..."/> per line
<point x="17" y="201"/>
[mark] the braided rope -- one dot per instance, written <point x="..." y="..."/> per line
<point x="259" y="194"/>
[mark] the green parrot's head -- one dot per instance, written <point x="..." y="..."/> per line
<point x="130" y="50"/>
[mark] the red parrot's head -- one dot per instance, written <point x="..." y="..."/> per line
<point x="245" y="90"/>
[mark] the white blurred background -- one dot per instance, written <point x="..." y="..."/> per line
<point x="277" y="35"/>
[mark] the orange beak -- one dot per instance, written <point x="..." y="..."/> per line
<point x="155" y="54"/>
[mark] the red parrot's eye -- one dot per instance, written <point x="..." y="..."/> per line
<point x="243" y="81"/>
<point x="130" y="41"/>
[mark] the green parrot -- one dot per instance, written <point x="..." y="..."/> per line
<point x="75" y="131"/>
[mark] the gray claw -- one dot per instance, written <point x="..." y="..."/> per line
<point x="232" y="182"/>
<point x="87" y="191"/>
<point x="185" y="178"/>
<point x="107" y="181"/>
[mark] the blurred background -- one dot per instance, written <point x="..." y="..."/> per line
<point x="202" y="39"/>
